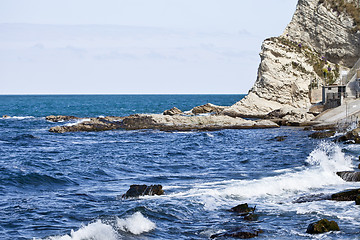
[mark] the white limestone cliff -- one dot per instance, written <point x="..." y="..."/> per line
<point x="316" y="38"/>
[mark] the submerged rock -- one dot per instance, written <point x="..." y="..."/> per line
<point x="349" y="176"/>
<point x="238" y="233"/>
<point x="280" y="138"/>
<point x="172" y="112"/>
<point x="348" y="195"/>
<point x="142" y="190"/>
<point x="60" y="118"/>
<point x="322" y="226"/>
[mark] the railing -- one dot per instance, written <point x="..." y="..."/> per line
<point x="349" y="123"/>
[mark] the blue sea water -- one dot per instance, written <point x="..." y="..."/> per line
<point x="67" y="186"/>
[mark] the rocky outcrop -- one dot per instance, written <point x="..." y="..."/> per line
<point x="173" y="111"/>
<point x="352" y="136"/>
<point x="322" y="134"/>
<point x="317" y="37"/>
<point x="349" y="176"/>
<point x="348" y="195"/>
<point x="136" y="191"/>
<point x="207" y="108"/>
<point x="163" y="123"/>
<point x="243" y="209"/>
<point x="60" y="118"/>
<point x="288" y="115"/>
<point x="237" y="233"/>
<point x="322" y="226"/>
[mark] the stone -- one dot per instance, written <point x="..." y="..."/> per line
<point x="251" y="217"/>
<point x="322" y="226"/>
<point x="280" y="138"/>
<point x="207" y="108"/>
<point x="173" y="111"/>
<point x="322" y="134"/>
<point x="289" y="115"/>
<point x="349" y="176"/>
<point x="143" y="190"/>
<point x="348" y="195"/>
<point x="243" y="209"/>
<point x="60" y="118"/>
<point x="91" y="125"/>
<point x="352" y="136"/>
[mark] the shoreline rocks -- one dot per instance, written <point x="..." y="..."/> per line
<point x="136" y="191"/>
<point x="163" y="123"/>
<point x="322" y="226"/>
<point x="60" y="118"/>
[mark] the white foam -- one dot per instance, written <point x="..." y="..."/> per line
<point x="93" y="231"/>
<point x="78" y="121"/>
<point x="18" y="117"/>
<point x="136" y="224"/>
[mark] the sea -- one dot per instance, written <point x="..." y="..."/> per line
<point x="69" y="186"/>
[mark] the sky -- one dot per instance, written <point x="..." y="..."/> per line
<point x="135" y="46"/>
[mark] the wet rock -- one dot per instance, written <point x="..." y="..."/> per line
<point x="280" y="138"/>
<point x="322" y="226"/>
<point x="172" y="112"/>
<point x="60" y="118"/>
<point x="243" y="209"/>
<point x="24" y="137"/>
<point x="351" y="137"/>
<point x="357" y="200"/>
<point x="92" y="125"/>
<point x="142" y="190"/>
<point x="207" y="108"/>
<point x="237" y="233"/>
<point x="348" y="195"/>
<point x="251" y="217"/>
<point x="322" y="134"/>
<point x="349" y="176"/>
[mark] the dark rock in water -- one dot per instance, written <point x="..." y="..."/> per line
<point x="322" y="226"/>
<point x="313" y="198"/>
<point x="172" y="112"/>
<point x="60" y="118"/>
<point x="349" y="176"/>
<point x="348" y="195"/>
<point x="92" y="125"/>
<point x="351" y="137"/>
<point x="251" y="217"/>
<point x="142" y="190"/>
<point x="322" y="134"/>
<point x="357" y="200"/>
<point x="237" y="233"/>
<point x="243" y="209"/>
<point x="24" y="137"/>
<point x="280" y="138"/>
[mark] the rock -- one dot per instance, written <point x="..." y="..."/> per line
<point x="351" y="136"/>
<point x="349" y="176"/>
<point x="251" y="217"/>
<point x="289" y="115"/>
<point x="243" y="209"/>
<point x="173" y="111"/>
<point x="322" y="226"/>
<point x="357" y="199"/>
<point x="142" y="190"/>
<point x="322" y="134"/>
<point x="237" y="233"/>
<point x="280" y="138"/>
<point x="348" y="195"/>
<point x="91" y="125"/>
<point x="207" y="108"/>
<point x="286" y="70"/>
<point x="60" y="118"/>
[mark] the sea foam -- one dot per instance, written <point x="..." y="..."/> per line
<point x="136" y="224"/>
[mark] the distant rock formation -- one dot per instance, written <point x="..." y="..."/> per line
<point x="322" y="34"/>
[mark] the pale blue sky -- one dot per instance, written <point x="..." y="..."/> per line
<point x="135" y="46"/>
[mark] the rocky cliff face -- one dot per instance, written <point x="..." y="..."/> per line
<point x="323" y="36"/>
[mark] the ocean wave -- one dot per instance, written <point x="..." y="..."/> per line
<point x="17" y="117"/>
<point x="34" y="179"/>
<point x="136" y="224"/>
<point x="77" y="122"/>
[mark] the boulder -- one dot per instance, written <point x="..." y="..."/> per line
<point x="357" y="200"/>
<point x="207" y="108"/>
<point x="352" y="136"/>
<point x="322" y="226"/>
<point x="172" y="112"/>
<point x="91" y="125"/>
<point x="280" y="138"/>
<point x="322" y="134"/>
<point x="348" y="195"/>
<point x="289" y="115"/>
<point x="238" y="233"/>
<point x="243" y="209"/>
<point x="136" y="191"/>
<point x="60" y="118"/>
<point x="349" y="176"/>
